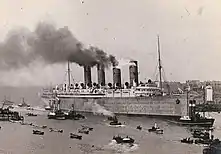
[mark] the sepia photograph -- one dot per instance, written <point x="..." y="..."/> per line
<point x="110" y="77"/>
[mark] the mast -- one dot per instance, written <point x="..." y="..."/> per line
<point x="204" y="98"/>
<point x="159" y="60"/>
<point x="69" y="76"/>
<point x="187" y="101"/>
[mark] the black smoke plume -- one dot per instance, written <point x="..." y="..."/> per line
<point x="48" y="44"/>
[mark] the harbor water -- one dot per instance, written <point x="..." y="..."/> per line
<point x="18" y="139"/>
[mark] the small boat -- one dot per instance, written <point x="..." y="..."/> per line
<point x="31" y="114"/>
<point x="187" y="140"/>
<point x="23" y="104"/>
<point x="86" y="127"/>
<point x="80" y="116"/>
<point x="38" y="132"/>
<point x="139" y="127"/>
<point x="56" y="130"/>
<point x="156" y="129"/>
<point x="121" y="140"/>
<point x="159" y="131"/>
<point x="51" y="115"/>
<point x="43" y="127"/>
<point x="82" y="131"/>
<point x="72" y="135"/>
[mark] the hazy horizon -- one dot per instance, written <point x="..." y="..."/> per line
<point x="189" y="35"/>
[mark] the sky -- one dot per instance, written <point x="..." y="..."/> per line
<point x="189" y="33"/>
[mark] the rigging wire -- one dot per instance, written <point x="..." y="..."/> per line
<point x="66" y="75"/>
<point x="154" y="76"/>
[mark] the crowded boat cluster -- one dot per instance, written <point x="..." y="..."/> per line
<point x="80" y="132"/>
<point x="199" y="136"/>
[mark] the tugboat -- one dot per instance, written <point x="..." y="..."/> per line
<point x="121" y="140"/>
<point x="193" y="118"/>
<point x="115" y="121"/>
<point x="23" y="104"/>
<point x="156" y="129"/>
<point x="72" y="135"/>
<point x="73" y="115"/>
<point x="57" y="113"/>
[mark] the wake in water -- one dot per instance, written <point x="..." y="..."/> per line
<point x="122" y="148"/>
<point x="87" y="148"/>
<point x="112" y="146"/>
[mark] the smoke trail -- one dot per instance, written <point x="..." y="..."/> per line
<point x="113" y="60"/>
<point x="98" y="109"/>
<point x="124" y="61"/>
<point x="50" y="45"/>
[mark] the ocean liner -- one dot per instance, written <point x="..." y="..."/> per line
<point x="133" y="98"/>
